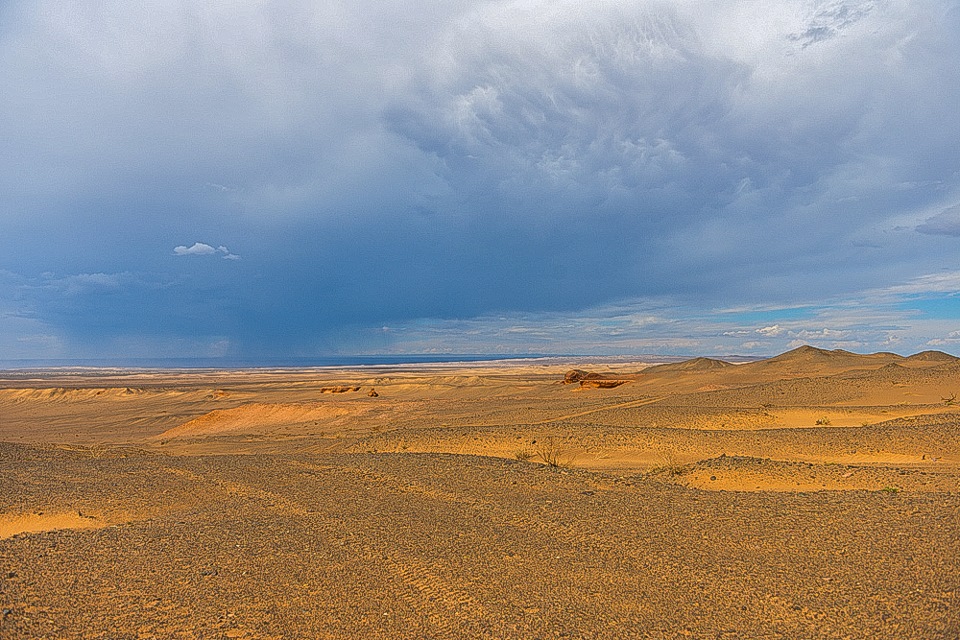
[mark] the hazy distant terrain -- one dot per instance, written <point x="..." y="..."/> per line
<point x="815" y="494"/>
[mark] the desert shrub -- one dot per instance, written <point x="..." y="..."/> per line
<point x="523" y="454"/>
<point x="824" y="421"/>
<point x="668" y="463"/>
<point x="551" y="452"/>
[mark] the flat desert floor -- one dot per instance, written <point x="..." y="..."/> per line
<point x="811" y="495"/>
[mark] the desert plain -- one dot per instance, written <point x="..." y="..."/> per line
<point x="815" y="494"/>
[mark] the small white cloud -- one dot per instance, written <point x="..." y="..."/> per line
<point x="226" y="253"/>
<point x="85" y="283"/>
<point x="198" y="249"/>
<point x="773" y="330"/>
<point x="825" y="334"/>
<point x="203" y="249"/>
<point x="106" y="280"/>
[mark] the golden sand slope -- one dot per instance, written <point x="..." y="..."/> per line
<point x="262" y="418"/>
<point x="14" y="524"/>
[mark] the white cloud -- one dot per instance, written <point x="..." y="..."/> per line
<point x="226" y="253"/>
<point x="106" y="280"/>
<point x="945" y="282"/>
<point x="812" y="334"/>
<point x="198" y="249"/>
<point x="773" y="330"/>
<point x="203" y="249"/>
<point x="83" y="283"/>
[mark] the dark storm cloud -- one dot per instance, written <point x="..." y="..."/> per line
<point x="830" y="19"/>
<point x="431" y="163"/>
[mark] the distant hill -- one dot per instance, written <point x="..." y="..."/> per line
<point x="807" y="353"/>
<point x="933" y="356"/>
<point x="696" y="364"/>
<point x="807" y="359"/>
<point x="805" y="362"/>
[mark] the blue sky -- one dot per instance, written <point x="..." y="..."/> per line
<point x="266" y="180"/>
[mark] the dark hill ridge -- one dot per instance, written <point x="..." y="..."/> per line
<point x="807" y="360"/>
<point x="807" y="353"/>
<point x="802" y="362"/>
<point x="933" y="356"/>
<point x="696" y="364"/>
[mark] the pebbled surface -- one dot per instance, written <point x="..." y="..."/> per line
<point x="445" y="546"/>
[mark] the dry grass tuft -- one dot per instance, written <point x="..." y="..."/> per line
<point x="551" y="452"/>
<point x="523" y="455"/>
<point x="669" y="464"/>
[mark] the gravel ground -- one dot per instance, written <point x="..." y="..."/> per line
<point x="444" y="546"/>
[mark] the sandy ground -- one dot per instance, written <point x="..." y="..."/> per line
<point x="812" y="495"/>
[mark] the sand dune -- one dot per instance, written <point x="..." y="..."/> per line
<point x="736" y="473"/>
<point x="62" y="394"/>
<point x="264" y="418"/>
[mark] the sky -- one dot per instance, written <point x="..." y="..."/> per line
<point x="260" y="180"/>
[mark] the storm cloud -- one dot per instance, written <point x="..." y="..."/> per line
<point x="476" y="176"/>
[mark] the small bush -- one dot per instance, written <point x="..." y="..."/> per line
<point x="667" y="462"/>
<point x="523" y="455"/>
<point x="824" y="421"/>
<point x="552" y="453"/>
<point x="891" y="489"/>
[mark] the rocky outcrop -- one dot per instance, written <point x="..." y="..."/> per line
<point x="601" y="384"/>
<point x="591" y="380"/>
<point x="339" y="389"/>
